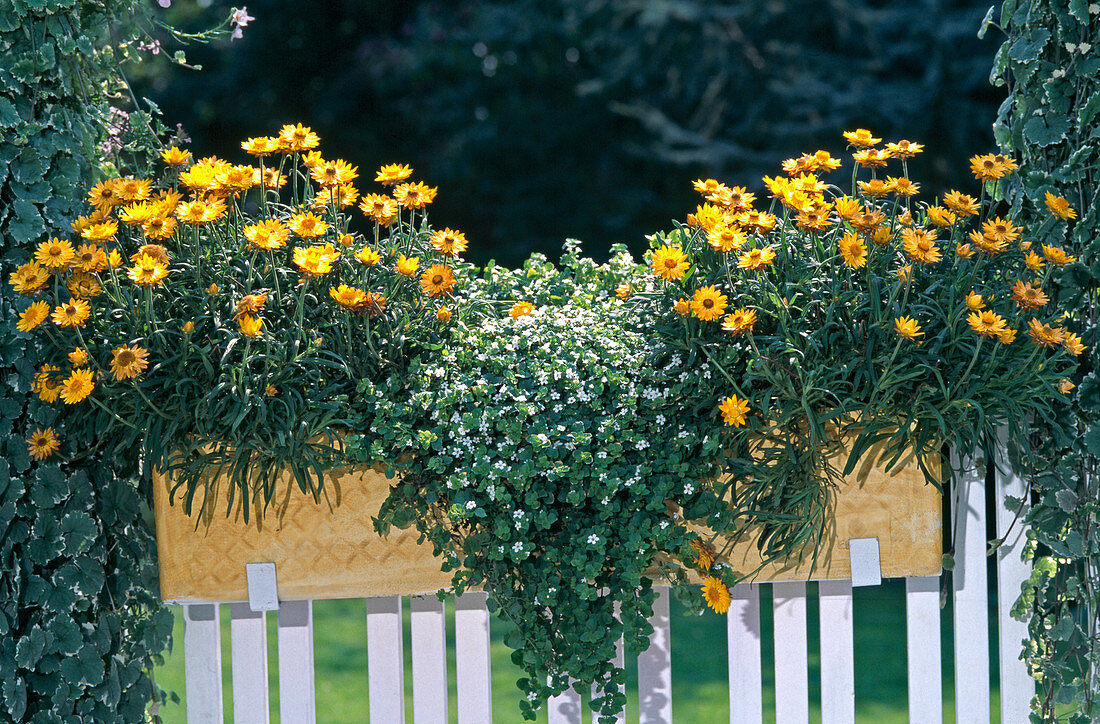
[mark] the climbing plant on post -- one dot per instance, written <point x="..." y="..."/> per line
<point x="1050" y="63"/>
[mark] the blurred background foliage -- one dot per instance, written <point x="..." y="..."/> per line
<point x="542" y="120"/>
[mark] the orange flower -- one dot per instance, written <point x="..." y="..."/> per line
<point x="708" y="303"/>
<point x="449" y="242"/>
<point x="392" y="173"/>
<point x="77" y="386"/>
<point x="521" y="309"/>
<point x="414" y="195"/>
<point x="129" y="362"/>
<point x="72" y="313"/>
<point x="250" y="326"/>
<point x="307" y="225"/>
<point x="298" y="138"/>
<point x="861" y="137"/>
<point x="437" y="281"/>
<point x="54" y="254"/>
<point x="406" y="266"/>
<point x="43" y="443"/>
<point x="29" y="278"/>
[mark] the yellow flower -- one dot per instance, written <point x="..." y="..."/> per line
<point x="986" y="243"/>
<point x="861" y="137"/>
<point x="407" y="265"/>
<point x="250" y="304"/>
<point x="963" y="251"/>
<point x="29" y="278"/>
<point x="874" y="188"/>
<point x="739" y="321"/>
<point x="920" y="245"/>
<point x="260" y="146"/>
<point x="373" y="304"/>
<point x="379" y="207"/>
<point x="148" y="271"/>
<point x="853" y="251"/>
<point x="734" y="411"/>
<point x="160" y="228"/>
<point x="623" y="291"/>
<point x="133" y="189"/>
<point x="987" y="167"/>
<point x="682" y="307"/>
<point x="1073" y="344"/>
<point x="904" y="272"/>
<point x="437" y="281"/>
<point x="174" y="156"/>
<point x="670" y="263"/>
<point x="43" y="443"/>
<point x="33" y="316"/>
<point x="987" y="323"/>
<point x="939" y="216"/>
<point x="1056" y="256"/>
<point x="392" y="173"/>
<point x="343" y="196"/>
<point x="908" y="328"/>
<point x="104" y="195"/>
<point x="55" y="254"/>
<point x="368" y="256"/>
<point x="315" y="260"/>
<point x="872" y="158"/>
<point x="312" y="159"/>
<point x="129" y="362"/>
<point x="716" y="594"/>
<point x="904" y="149"/>
<point x="974" y="301"/>
<point x="307" y="225"/>
<point x="334" y="173"/>
<point x="156" y="251"/>
<point x="271" y="390"/>
<point x="72" y="313"/>
<point x="521" y="309"/>
<point x="414" y="195"/>
<point x="348" y="297"/>
<point x="1065" y="386"/>
<point x="78" y="357"/>
<point x="708" y="303"/>
<point x="961" y="203"/>
<point x="1059" y="207"/>
<point x="188" y="327"/>
<point x="298" y="138"/>
<point x="903" y="186"/>
<point x="45" y="385"/>
<point x="1028" y="295"/>
<point x="1033" y="261"/>
<point x="443" y="314"/>
<point x="1001" y="230"/>
<point x="137" y="213"/>
<point x="268" y="234"/>
<point x="250" y="326"/>
<point x="756" y="258"/>
<point x="77" y="386"/>
<point x="1045" y="335"/>
<point x="213" y="289"/>
<point x="449" y="242"/>
<point x="1007" y="335"/>
<point x="847" y="207"/>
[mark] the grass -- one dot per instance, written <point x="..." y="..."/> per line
<point x="700" y="692"/>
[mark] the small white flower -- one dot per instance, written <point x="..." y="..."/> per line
<point x="1083" y="48"/>
<point x="1071" y="47"/>
<point x="1059" y="73"/>
<point x="470" y="505"/>
<point x="1094" y="9"/>
<point x="593" y="539"/>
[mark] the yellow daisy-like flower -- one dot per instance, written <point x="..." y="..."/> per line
<point x="964" y="251"/>
<point x="43" y="443"/>
<point x="79" y="357"/>
<point x="987" y="168"/>
<point x="77" y="386"/>
<point x="414" y="195"/>
<point x="861" y="137"/>
<point x="72" y="313"/>
<point x="1044" y="334"/>
<point x="704" y="554"/>
<point x="268" y="234"/>
<point x="298" y="138"/>
<point x="342" y="195"/>
<point x="904" y="149"/>
<point x="755" y="259"/>
<point x="148" y="271"/>
<point x="716" y="594"/>
<point x="133" y="189"/>
<point x="374" y="304"/>
<point x="156" y="251"/>
<point x="872" y="157"/>
<point x="853" y="251"/>
<point x="961" y="203"/>
<point x="623" y="291"/>
<point x="920" y="245"/>
<point x="29" y="278"/>
<point x="1033" y="261"/>
<point x="102" y="231"/>
<point x="739" y="321"/>
<point x="260" y="146"/>
<point x="368" y="256"/>
<point x="159" y="228"/>
<point x="1007" y="336"/>
<point x="1056" y="256"/>
<point x="33" y="316"/>
<point x="874" y="188"/>
<point x="974" y="301"/>
<point x="129" y="362"/>
<point x="1073" y="344"/>
<point x="1058" y="206"/>
<point x="175" y="156"/>
<point x="449" y="242"/>
<point x="315" y="260"/>
<point x="521" y="309"/>
<point x="902" y="186"/>
<point x="734" y="411"/>
<point x="1001" y="230"/>
<point x="682" y="307"/>
<point x="250" y="304"/>
<point x="437" y="281"/>
<point x="104" y="195"/>
<point x="137" y="213"/>
<point x="307" y="225"/>
<point x="669" y="262"/>
<point x="55" y="254"/>
<point x="1065" y="386"/>
<point x="904" y="273"/>
<point x="348" y="297"/>
<point x="393" y="173"/>
<point x="908" y="328"/>
<point x="708" y="303"/>
<point x="234" y="180"/>
<point x="443" y="314"/>
<point x="939" y="216"/>
<point x="334" y="173"/>
<point x="379" y="207"/>
<point x="987" y="323"/>
<point x="45" y="384"/>
<point x="250" y="326"/>
<point x="1028" y="295"/>
<point x="312" y="159"/>
<point x="83" y="286"/>
<point x="986" y="243"/>
<point x="407" y="266"/>
<point x="847" y="207"/>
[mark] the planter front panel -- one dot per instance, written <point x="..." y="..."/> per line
<point x="334" y="553"/>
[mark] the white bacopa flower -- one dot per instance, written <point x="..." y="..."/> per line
<point x="593" y="539"/>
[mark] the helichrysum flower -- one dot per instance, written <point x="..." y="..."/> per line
<point x="128" y="362"/>
<point x="987" y="323"/>
<point x="54" y="254"/>
<point x="739" y="321"/>
<point x="298" y="138"/>
<point x="307" y="225"/>
<point x="407" y="265"/>
<point x="1058" y="206"/>
<point x="393" y="173"/>
<point x="268" y="234"/>
<point x="43" y="443"/>
<point x="414" y="195"/>
<point x="334" y="173"/>
<point x="33" y="316"/>
<point x="669" y="262"/>
<point x="521" y="309"/>
<point x="29" y="278"/>
<point x="734" y="411"/>
<point x="437" y="281"/>
<point x="716" y="594"/>
<point x="920" y="245"/>
<point x="351" y="298"/>
<point x="974" y="301"/>
<point x="315" y="260"/>
<point x="1073" y="344"/>
<point x="148" y="271"/>
<point x="250" y="326"/>
<point x="908" y="328"/>
<point x="1028" y="296"/>
<point x="904" y="149"/>
<point x="861" y="137"/>
<point x="175" y="156"/>
<point x="72" y="313"/>
<point x="682" y="307"/>
<point x="1056" y="256"/>
<point x="1044" y="334"/>
<point x="77" y="386"/>
<point x="755" y="259"/>
<point x="368" y="256"/>
<point x="443" y="314"/>
<point x="79" y="357"/>
<point x="708" y="303"/>
<point x="853" y="251"/>
<point x="449" y="242"/>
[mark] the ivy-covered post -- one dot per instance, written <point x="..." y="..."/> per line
<point x="1050" y="63"/>
<point x="80" y="623"/>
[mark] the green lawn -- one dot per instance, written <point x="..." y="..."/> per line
<point x="698" y="663"/>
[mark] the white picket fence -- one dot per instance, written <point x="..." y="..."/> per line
<point x="385" y="647"/>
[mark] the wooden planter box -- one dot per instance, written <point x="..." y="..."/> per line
<point x="322" y="553"/>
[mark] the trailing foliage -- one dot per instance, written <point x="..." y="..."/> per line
<point x="1050" y="65"/>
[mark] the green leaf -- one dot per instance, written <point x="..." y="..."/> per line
<point x="1026" y="48"/>
<point x="986" y="21"/>
<point x="29" y="649"/>
<point x="1045" y="131"/>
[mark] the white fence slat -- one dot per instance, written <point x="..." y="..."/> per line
<point x="429" y="660"/>
<point x="248" y="639"/>
<point x="971" y="597"/>
<point x="655" y="666"/>
<point x="385" y="661"/>
<point x="1017" y="686"/>
<point x="922" y="633"/>
<point x="792" y="677"/>
<point x="202" y="663"/>
<point x="743" y="647"/>
<point x="838" y="679"/>
<point x="618" y="661"/>
<point x="297" y="702"/>
<point x="565" y="708"/>
<point x="472" y="674"/>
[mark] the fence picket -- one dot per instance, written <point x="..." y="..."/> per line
<point x="202" y="657"/>
<point x="922" y="633"/>
<point x="791" y="670"/>
<point x="743" y="651"/>
<point x="655" y="666"/>
<point x="971" y="597"/>
<point x="1017" y="686"/>
<point x="472" y="669"/>
<point x="297" y="702"/>
<point x="248" y="641"/>
<point x="429" y="660"/>
<point x="838" y="683"/>
<point x="565" y="708"/>
<point x="618" y="661"/>
<point x="385" y="661"/>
